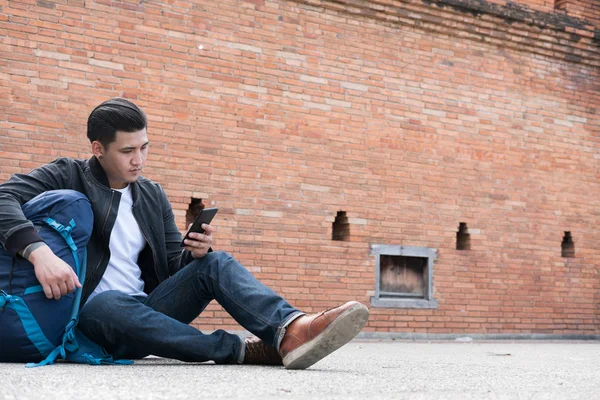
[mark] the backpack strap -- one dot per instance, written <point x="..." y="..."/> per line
<point x="65" y="232"/>
<point x="75" y="346"/>
<point x="68" y="342"/>
<point x="30" y="325"/>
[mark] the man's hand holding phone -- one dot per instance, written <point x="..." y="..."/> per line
<point x="198" y="238"/>
<point x="199" y="243"/>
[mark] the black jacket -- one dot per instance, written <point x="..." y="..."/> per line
<point x="162" y="255"/>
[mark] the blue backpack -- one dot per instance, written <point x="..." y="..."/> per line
<point x="35" y="329"/>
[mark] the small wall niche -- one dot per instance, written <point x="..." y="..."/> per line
<point x="463" y="238"/>
<point x="341" y="227"/>
<point x="568" y="246"/>
<point x="403" y="276"/>
<point x="193" y="210"/>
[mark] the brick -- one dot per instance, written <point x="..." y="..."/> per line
<point x="106" y="64"/>
<point x="290" y="56"/>
<point x="354" y="86"/>
<point x="313" y="79"/>
<point x="245" y="47"/>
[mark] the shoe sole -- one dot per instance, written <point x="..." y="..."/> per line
<point x="343" y="329"/>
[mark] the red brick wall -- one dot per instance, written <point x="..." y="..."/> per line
<point x="586" y="9"/>
<point x="282" y="113"/>
<point x="541" y="5"/>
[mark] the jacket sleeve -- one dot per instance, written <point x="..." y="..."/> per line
<point x="177" y="256"/>
<point x="16" y="231"/>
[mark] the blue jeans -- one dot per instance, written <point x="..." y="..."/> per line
<point x="134" y="327"/>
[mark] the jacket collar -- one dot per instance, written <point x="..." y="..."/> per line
<point x="100" y="176"/>
<point x="98" y="171"/>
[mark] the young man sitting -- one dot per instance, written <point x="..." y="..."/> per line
<point x="142" y="289"/>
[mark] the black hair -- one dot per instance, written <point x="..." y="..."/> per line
<point x="114" y="115"/>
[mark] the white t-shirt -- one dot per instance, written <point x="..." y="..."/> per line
<point x="126" y="243"/>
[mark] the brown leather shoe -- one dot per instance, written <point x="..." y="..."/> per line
<point x="259" y="353"/>
<point x="311" y="337"/>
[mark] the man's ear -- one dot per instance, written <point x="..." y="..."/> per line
<point x="97" y="149"/>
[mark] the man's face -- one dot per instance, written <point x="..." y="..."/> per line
<point x="124" y="159"/>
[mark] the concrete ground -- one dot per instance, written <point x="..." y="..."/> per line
<point x="360" y="370"/>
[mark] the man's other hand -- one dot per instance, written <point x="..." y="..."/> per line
<point x="56" y="276"/>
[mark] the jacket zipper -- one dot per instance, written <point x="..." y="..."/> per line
<point x="112" y="195"/>
<point x="149" y="244"/>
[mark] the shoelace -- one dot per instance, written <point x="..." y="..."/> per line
<point x="256" y="349"/>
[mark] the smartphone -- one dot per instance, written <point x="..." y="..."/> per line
<point x="204" y="217"/>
